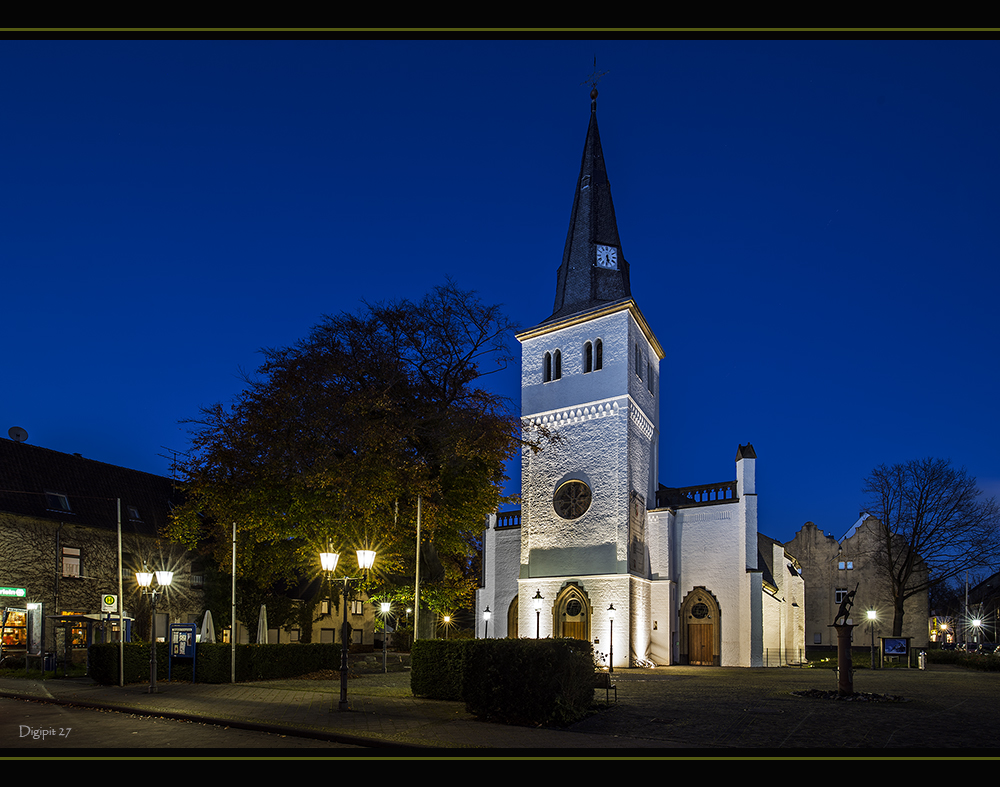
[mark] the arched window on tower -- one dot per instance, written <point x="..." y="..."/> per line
<point x="588" y="357"/>
<point x="547" y="368"/>
<point x="556" y="365"/>
<point x="598" y="355"/>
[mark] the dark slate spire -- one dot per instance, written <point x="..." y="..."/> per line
<point x="585" y="280"/>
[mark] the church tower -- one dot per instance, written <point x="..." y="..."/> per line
<point x="590" y="371"/>
<point x="600" y="551"/>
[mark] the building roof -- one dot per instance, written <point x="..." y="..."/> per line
<point x="68" y="488"/>
<point x="581" y="284"/>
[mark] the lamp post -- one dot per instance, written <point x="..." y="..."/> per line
<point x="329" y="560"/>
<point x="385" y="634"/>
<point x="872" y="618"/>
<point x="145" y="581"/>
<point x="977" y="634"/>
<point x="537" y="598"/>
<point x="486" y="623"/>
<point x="446" y="619"/>
<point x="611" y="640"/>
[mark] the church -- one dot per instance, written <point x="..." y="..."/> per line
<point x="600" y="551"/>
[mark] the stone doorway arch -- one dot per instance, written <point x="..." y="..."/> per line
<point x="572" y="613"/>
<point x="700" y="629"/>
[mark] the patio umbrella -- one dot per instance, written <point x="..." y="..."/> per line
<point x="262" y="626"/>
<point x="208" y="628"/>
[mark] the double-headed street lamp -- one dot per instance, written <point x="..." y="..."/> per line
<point x="329" y="560"/>
<point x="145" y="581"/>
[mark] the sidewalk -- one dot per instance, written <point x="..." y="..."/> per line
<point x="699" y="711"/>
<point x="383" y="713"/>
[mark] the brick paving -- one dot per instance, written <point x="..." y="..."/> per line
<point x="667" y="711"/>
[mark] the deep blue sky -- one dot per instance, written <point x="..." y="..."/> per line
<point x="812" y="229"/>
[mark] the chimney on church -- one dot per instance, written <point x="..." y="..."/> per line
<point x="746" y="460"/>
<point x="746" y="491"/>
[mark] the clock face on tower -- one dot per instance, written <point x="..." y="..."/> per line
<point x="607" y="257"/>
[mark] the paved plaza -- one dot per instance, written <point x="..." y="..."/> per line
<point x="677" y="711"/>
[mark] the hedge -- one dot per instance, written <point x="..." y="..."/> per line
<point x="511" y="681"/>
<point x="212" y="664"/>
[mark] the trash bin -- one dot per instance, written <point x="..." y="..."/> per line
<point x="922" y="660"/>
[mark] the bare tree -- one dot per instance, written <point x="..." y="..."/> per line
<point x="932" y="514"/>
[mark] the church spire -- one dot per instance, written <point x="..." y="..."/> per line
<point x="593" y="271"/>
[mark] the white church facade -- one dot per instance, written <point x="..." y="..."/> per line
<point x="600" y="550"/>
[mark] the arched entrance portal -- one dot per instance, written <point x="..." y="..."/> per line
<point x="572" y="612"/>
<point x="700" y="629"/>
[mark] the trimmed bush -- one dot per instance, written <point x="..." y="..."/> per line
<point x="253" y="662"/>
<point x="438" y="668"/>
<point x="510" y="681"/>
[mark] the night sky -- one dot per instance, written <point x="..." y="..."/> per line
<point x="811" y="226"/>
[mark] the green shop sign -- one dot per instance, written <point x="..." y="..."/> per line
<point x="13" y="592"/>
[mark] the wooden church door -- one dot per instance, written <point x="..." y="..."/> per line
<point x="701" y="644"/>
<point x="700" y="613"/>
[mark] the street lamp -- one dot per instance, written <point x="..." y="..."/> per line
<point x="537" y="598"/>
<point x="385" y="633"/>
<point x="611" y="640"/>
<point x="872" y="618"/>
<point x="446" y="619"/>
<point x="329" y="560"/>
<point x="145" y="581"/>
<point x="486" y="622"/>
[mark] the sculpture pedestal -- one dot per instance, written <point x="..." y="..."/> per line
<point x="845" y="668"/>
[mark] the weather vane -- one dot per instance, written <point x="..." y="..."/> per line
<point x="594" y="78"/>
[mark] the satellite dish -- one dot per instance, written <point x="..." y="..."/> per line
<point x="17" y="434"/>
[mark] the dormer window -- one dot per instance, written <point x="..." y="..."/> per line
<point x="133" y="514"/>
<point x="57" y="501"/>
<point x="585" y="183"/>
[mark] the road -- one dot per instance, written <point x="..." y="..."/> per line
<point x="28" y="726"/>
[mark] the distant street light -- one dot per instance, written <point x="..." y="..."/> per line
<point x="385" y="634"/>
<point x="872" y="618"/>
<point x="611" y="639"/>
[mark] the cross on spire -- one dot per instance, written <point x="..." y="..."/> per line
<point x="593" y="79"/>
